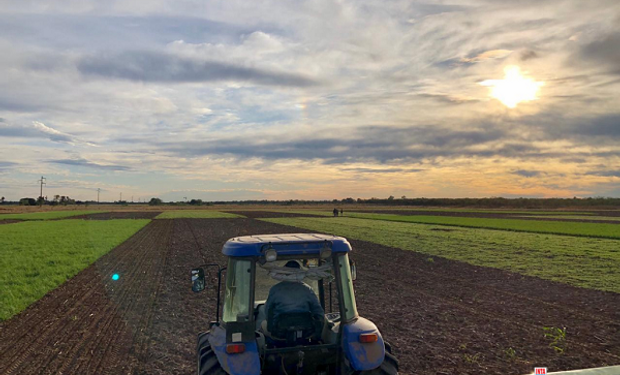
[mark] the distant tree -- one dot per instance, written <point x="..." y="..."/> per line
<point x="2" y="200"/>
<point x="195" y="202"/>
<point x="27" y="202"/>
<point x="40" y="201"/>
<point x="403" y="197"/>
<point x="65" y="200"/>
<point x="391" y="198"/>
<point x="155" y="202"/>
<point x="55" y="200"/>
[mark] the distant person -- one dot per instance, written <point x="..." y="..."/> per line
<point x="341" y="212"/>
<point x="335" y="212"/>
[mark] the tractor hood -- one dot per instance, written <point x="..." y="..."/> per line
<point x="285" y="244"/>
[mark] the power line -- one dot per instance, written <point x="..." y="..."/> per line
<point x="42" y="181"/>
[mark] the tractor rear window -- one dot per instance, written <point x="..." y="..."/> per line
<point x="264" y="281"/>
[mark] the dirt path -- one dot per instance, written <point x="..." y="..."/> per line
<point x="9" y="221"/>
<point x="442" y="317"/>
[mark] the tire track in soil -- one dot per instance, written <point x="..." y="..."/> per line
<point x="58" y="343"/>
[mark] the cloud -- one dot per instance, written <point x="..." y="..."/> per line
<point x="604" y="51"/>
<point x="382" y="144"/>
<point x="527" y="173"/>
<point x="39" y="130"/>
<point x="528" y="54"/>
<point x="6" y="165"/>
<point x="80" y="162"/>
<point x="149" y="66"/>
<point x="381" y="170"/>
<point x="605" y="173"/>
<point x="487" y="55"/>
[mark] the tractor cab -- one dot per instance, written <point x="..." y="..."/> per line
<point x="289" y="308"/>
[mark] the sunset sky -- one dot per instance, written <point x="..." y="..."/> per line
<point x="223" y="100"/>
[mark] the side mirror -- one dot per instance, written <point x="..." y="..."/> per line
<point x="198" y="280"/>
<point x="353" y="270"/>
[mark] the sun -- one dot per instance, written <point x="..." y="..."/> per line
<point x="514" y="88"/>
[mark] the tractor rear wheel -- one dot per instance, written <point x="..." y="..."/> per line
<point x="388" y="367"/>
<point x="207" y="361"/>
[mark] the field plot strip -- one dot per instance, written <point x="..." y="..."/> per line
<point x="599" y="230"/>
<point x="48" y="215"/>
<point x="92" y="324"/>
<point x="37" y="256"/>
<point x="196" y="214"/>
<point x="579" y="261"/>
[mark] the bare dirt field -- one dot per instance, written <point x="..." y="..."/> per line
<point x="442" y="317"/>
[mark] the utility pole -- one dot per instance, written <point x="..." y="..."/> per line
<point x="121" y="198"/>
<point x="132" y="199"/>
<point x="98" y="191"/>
<point x="42" y="181"/>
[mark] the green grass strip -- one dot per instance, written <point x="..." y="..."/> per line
<point x="475" y="210"/>
<point x="600" y="230"/>
<point x="306" y="212"/>
<point x="196" y="214"/>
<point x="38" y="256"/>
<point x="610" y="218"/>
<point x="47" y="215"/>
<point x="585" y="262"/>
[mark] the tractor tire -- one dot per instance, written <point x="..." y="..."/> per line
<point x="207" y="361"/>
<point x="388" y="367"/>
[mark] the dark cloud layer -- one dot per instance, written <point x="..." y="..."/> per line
<point x="605" y="51"/>
<point x="526" y="173"/>
<point x="381" y="144"/>
<point x="605" y="173"/>
<point x="88" y="164"/>
<point x="148" y="66"/>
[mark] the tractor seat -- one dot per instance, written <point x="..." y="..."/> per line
<point x="295" y="328"/>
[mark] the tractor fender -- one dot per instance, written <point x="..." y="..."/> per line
<point x="362" y="356"/>
<point x="246" y="363"/>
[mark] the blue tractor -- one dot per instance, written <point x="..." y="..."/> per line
<point x="248" y="340"/>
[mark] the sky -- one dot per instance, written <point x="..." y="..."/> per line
<point x="317" y="99"/>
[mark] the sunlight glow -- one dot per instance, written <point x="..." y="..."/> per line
<point x="514" y="88"/>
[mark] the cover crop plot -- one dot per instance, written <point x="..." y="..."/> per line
<point x="47" y="215"/>
<point x="36" y="257"/>
<point x="552" y="227"/>
<point x="585" y="262"/>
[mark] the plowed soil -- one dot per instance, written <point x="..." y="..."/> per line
<point x="9" y="221"/>
<point x="442" y="317"/>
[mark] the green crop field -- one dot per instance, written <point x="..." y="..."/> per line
<point x="479" y="211"/>
<point x="580" y="261"/>
<point x="47" y="215"/>
<point x="574" y="217"/>
<point x="307" y="212"/>
<point x="38" y="256"/>
<point x="196" y="214"/>
<point x="601" y="230"/>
